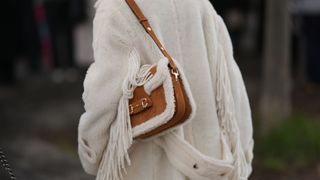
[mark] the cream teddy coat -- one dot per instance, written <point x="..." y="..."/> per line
<point x="217" y="143"/>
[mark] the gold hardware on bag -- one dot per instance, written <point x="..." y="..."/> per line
<point x="130" y="109"/>
<point x="140" y="105"/>
<point x="175" y="73"/>
<point x="144" y="103"/>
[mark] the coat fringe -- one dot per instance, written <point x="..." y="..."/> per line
<point x="113" y="163"/>
<point x="228" y="123"/>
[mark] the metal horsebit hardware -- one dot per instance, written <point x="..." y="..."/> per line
<point x="144" y="104"/>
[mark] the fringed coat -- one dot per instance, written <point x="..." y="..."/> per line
<point x="217" y="143"/>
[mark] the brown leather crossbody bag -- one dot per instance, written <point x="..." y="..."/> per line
<point x="168" y="105"/>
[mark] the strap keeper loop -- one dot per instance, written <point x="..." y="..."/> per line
<point x="143" y="20"/>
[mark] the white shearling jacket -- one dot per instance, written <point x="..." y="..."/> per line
<point x="217" y="143"/>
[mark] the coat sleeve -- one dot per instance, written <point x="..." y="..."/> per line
<point x="239" y="93"/>
<point x="102" y="86"/>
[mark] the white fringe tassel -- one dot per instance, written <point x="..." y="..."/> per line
<point x="116" y="154"/>
<point x="228" y="124"/>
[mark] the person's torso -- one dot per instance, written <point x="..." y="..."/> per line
<point x="185" y="28"/>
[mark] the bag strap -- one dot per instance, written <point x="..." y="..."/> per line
<point x="146" y="25"/>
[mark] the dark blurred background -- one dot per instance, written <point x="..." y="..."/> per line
<point x="47" y="49"/>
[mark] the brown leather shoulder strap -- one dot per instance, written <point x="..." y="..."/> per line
<point x="146" y="25"/>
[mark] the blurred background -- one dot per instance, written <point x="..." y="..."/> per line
<point x="47" y="49"/>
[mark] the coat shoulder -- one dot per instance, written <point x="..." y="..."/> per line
<point x="111" y="20"/>
<point x="109" y="5"/>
